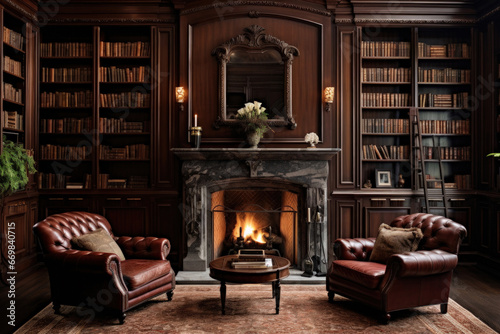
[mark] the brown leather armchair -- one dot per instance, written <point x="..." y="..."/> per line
<point x="96" y="281"/>
<point x="407" y="280"/>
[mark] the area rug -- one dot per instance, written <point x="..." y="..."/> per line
<point x="251" y="309"/>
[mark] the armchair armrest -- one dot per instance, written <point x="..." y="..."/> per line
<point x="144" y="248"/>
<point x="83" y="262"/>
<point x="421" y="263"/>
<point x="353" y="249"/>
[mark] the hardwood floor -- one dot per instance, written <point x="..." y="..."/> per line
<point x="475" y="290"/>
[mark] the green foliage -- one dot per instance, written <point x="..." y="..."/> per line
<point x="15" y="164"/>
<point x="496" y="155"/>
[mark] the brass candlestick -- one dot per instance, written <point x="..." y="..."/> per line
<point x="196" y="136"/>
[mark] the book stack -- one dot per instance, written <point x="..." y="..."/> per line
<point x="443" y="75"/>
<point x="385" y="125"/>
<point x="116" y="74"/>
<point x="13" y="120"/>
<point x="458" y="100"/>
<point x="77" y="74"/>
<point x="452" y="50"/>
<point x="11" y="93"/>
<point x="117" y="183"/>
<point x="137" y="182"/>
<point x="385" y="152"/>
<point x="119" y="125"/>
<point x="66" y="49"/>
<point x="13" y="38"/>
<point x="102" y="181"/>
<point x="125" y="100"/>
<point x="136" y="151"/>
<point x="12" y="66"/>
<point x="66" y="99"/>
<point x="59" y="152"/>
<point x="124" y="49"/>
<point x="65" y="125"/>
<point x="252" y="263"/>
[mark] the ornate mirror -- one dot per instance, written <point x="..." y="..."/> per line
<point x="254" y="66"/>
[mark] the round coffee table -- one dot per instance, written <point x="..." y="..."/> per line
<point x="221" y="270"/>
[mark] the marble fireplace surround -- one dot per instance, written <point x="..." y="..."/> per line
<point x="207" y="170"/>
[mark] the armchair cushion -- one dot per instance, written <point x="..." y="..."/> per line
<point x="98" y="241"/>
<point x="137" y="272"/>
<point x="394" y="240"/>
<point x="368" y="274"/>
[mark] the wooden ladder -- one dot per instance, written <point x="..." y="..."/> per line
<point x="419" y="167"/>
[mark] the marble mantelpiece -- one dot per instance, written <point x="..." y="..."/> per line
<point x="207" y="170"/>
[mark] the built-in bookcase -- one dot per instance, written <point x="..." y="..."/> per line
<point x="444" y="60"/>
<point x="386" y="96"/>
<point x="67" y="136"/>
<point x="95" y="107"/>
<point x="496" y="99"/>
<point x="125" y="104"/>
<point x="427" y="68"/>
<point x="13" y="78"/>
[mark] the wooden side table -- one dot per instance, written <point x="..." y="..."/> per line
<point x="220" y="269"/>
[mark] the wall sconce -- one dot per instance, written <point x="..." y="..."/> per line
<point x="179" y="97"/>
<point x="329" y="96"/>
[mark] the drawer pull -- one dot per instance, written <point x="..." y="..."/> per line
<point x="75" y="199"/>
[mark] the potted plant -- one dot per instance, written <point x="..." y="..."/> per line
<point x="15" y="164"/>
<point x="253" y="122"/>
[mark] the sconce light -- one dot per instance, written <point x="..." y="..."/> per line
<point x="329" y="96"/>
<point x="179" y="97"/>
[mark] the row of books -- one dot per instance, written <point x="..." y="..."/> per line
<point x="63" y="74"/>
<point x="460" y="182"/>
<point x="81" y="99"/>
<point x="454" y="126"/>
<point x="133" y="182"/>
<point x="447" y="153"/>
<point x="59" y="152"/>
<point x="125" y="100"/>
<point x="456" y="100"/>
<point x="385" y="125"/>
<point x="61" y="181"/>
<point x="124" y="49"/>
<point x="385" y="49"/>
<point x="65" y="125"/>
<point x="13" y="120"/>
<point x="443" y="75"/>
<point x="11" y="93"/>
<point x="385" y="99"/>
<point x="442" y="51"/>
<point x="13" y="38"/>
<point x="12" y="66"/>
<point x="386" y="74"/>
<point x="120" y="125"/>
<point x="66" y="49"/>
<point x="384" y="152"/>
<point x="135" y="151"/>
<point x="116" y="74"/>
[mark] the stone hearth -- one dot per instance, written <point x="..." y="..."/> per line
<point x="208" y="170"/>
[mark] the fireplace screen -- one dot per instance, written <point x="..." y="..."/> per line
<point x="255" y="225"/>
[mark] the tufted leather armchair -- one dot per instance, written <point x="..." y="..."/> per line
<point x="95" y="281"/>
<point x="407" y="280"/>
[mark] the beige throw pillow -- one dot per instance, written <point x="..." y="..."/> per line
<point x="394" y="240"/>
<point x="99" y="241"/>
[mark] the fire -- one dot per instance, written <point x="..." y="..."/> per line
<point x="248" y="228"/>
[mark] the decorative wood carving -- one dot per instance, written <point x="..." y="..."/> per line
<point x="221" y="4"/>
<point x="254" y="38"/>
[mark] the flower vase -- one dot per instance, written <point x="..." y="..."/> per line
<point x="253" y="139"/>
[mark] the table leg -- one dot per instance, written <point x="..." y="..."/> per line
<point x="223" y="296"/>
<point x="277" y="292"/>
<point x="274" y="289"/>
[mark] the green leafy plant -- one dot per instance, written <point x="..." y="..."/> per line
<point x="496" y="155"/>
<point x="15" y="164"/>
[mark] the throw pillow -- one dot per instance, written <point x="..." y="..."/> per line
<point x="394" y="240"/>
<point x="99" y="241"/>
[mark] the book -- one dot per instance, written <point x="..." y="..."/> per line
<point x="261" y="263"/>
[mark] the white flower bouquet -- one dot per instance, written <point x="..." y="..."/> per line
<point x="311" y="138"/>
<point x="253" y="118"/>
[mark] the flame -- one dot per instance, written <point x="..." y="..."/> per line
<point x="249" y="228"/>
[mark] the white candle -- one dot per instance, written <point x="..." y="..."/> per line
<point x="308" y="214"/>
<point x="195" y="120"/>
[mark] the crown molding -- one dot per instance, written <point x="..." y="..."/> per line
<point x="110" y="20"/>
<point x="21" y="10"/>
<point x="235" y="3"/>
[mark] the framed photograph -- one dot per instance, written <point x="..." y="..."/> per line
<point x="383" y="178"/>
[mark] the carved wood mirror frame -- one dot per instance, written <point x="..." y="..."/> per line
<point x="254" y="39"/>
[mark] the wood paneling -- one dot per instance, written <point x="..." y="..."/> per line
<point x="199" y="71"/>
<point x="374" y="217"/>
<point x="128" y="216"/>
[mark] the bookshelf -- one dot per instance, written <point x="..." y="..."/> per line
<point x="13" y="78"/>
<point x="66" y="143"/>
<point x="444" y="63"/>
<point x="124" y="107"/>
<point x="386" y="95"/>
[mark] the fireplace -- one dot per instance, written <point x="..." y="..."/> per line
<point x="222" y="188"/>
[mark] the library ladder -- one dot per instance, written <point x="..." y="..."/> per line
<point x="419" y="168"/>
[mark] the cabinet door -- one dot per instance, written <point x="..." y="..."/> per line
<point x="168" y="224"/>
<point x="14" y="236"/>
<point x="127" y="215"/>
<point x="374" y="217"/>
<point x="52" y="205"/>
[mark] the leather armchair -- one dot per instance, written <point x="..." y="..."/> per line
<point x="96" y="281"/>
<point x="407" y="280"/>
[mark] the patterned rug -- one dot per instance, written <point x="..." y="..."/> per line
<point x="251" y="309"/>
